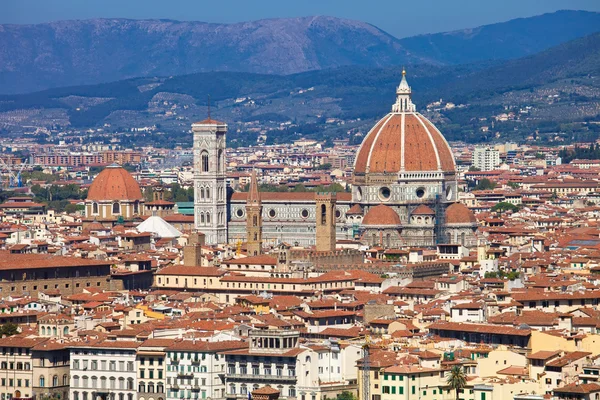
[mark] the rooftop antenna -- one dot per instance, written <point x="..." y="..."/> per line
<point x="209" y="106"/>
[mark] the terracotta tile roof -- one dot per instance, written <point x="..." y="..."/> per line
<point x="262" y="259"/>
<point x="18" y="262"/>
<point x="202" y="346"/>
<point x="479" y="328"/>
<point x="579" y="388"/>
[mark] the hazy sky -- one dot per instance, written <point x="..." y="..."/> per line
<point x="398" y="17"/>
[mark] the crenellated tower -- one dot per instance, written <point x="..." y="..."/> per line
<point x="325" y="215"/>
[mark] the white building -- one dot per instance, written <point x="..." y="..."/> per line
<point x="104" y="370"/>
<point x="195" y="368"/>
<point x="485" y="158"/>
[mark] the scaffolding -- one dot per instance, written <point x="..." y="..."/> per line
<point x="439" y="220"/>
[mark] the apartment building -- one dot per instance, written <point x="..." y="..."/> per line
<point x="195" y="369"/>
<point x="103" y="370"/>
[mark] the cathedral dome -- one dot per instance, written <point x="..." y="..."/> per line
<point x="458" y="213"/>
<point x="404" y="141"/>
<point x="381" y="215"/>
<point x="114" y="183"/>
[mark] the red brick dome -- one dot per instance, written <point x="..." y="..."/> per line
<point x="458" y="213"/>
<point x="381" y="215"/>
<point x="422" y="209"/>
<point x="114" y="183"/>
<point x="404" y="141"/>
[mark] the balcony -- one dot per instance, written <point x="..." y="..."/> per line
<point x="184" y="374"/>
<point x="174" y="361"/>
<point x="195" y="388"/>
<point x="195" y="362"/>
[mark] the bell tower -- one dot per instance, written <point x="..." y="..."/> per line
<point x="325" y="216"/>
<point x="254" y="218"/>
<point x="210" y="194"/>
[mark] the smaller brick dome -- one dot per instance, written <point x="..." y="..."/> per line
<point x="458" y="213"/>
<point x="423" y="210"/>
<point x="355" y="210"/>
<point x="381" y="215"/>
<point x="114" y="183"/>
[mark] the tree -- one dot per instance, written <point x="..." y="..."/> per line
<point x="346" y="395"/>
<point x="485" y="184"/>
<point x="504" y="206"/>
<point x="324" y="167"/>
<point x="9" y="329"/>
<point x="513" y="185"/>
<point x="457" y="379"/>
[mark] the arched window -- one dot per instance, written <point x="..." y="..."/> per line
<point x="95" y="208"/>
<point x="130" y="384"/>
<point x="373" y="239"/>
<point x="54" y="332"/>
<point x="389" y="240"/>
<point x="208" y="218"/>
<point x="136" y="207"/>
<point x="103" y="382"/>
<point x="65" y="331"/>
<point x="65" y="380"/>
<point x="142" y="387"/>
<point x="94" y="382"/>
<point x="84" y="382"/>
<point x="201" y="218"/>
<point x="121" y="396"/>
<point x="150" y="387"/>
<point x="323" y="214"/>
<point x="121" y="383"/>
<point x="220" y="161"/>
<point x="129" y="396"/>
<point x="159" y="388"/>
<point x="201" y="193"/>
<point x="75" y="395"/>
<point x="462" y="238"/>
<point x="208" y="193"/>
<point x="255" y="220"/>
<point x="43" y="331"/>
<point x="76" y="381"/>
<point x="116" y="208"/>
<point x="204" y="161"/>
<point x="42" y="381"/>
<point x="55" y="380"/>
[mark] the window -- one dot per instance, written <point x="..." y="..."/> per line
<point x="116" y="208"/>
<point x="204" y="161"/>
<point x="42" y="381"/>
<point x="55" y="380"/>
<point x="94" y="208"/>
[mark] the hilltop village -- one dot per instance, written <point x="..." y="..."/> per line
<point x="402" y="268"/>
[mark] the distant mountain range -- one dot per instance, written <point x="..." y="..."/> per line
<point x="569" y="73"/>
<point x="36" y="57"/>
